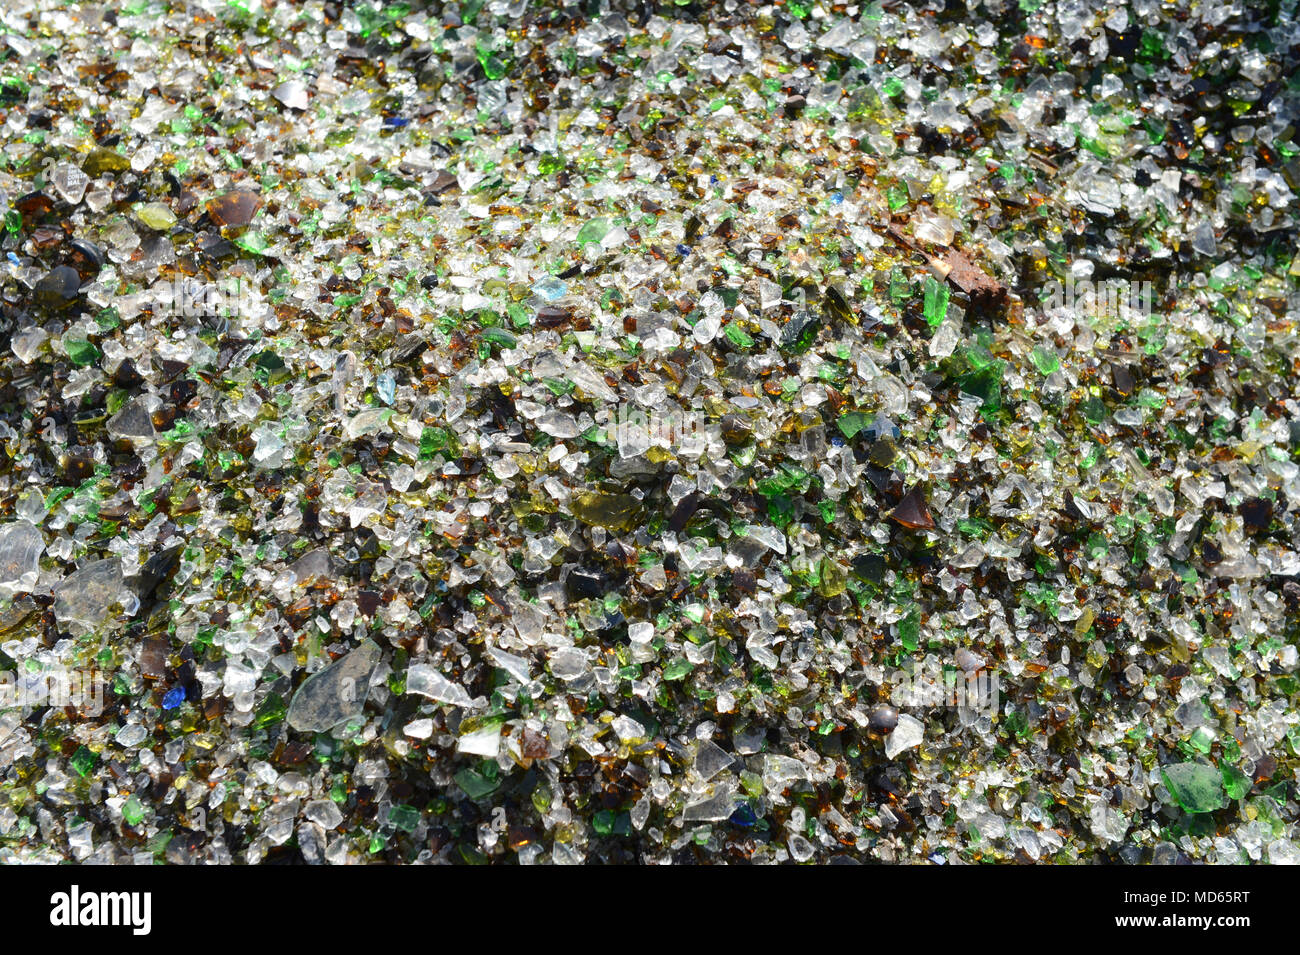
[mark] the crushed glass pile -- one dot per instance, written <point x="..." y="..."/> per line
<point x="635" y="432"/>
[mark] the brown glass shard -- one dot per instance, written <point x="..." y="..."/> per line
<point x="553" y="316"/>
<point x="534" y="745"/>
<point x="234" y="209"/>
<point x="520" y="836"/>
<point x="441" y="183"/>
<point x="34" y="206"/>
<point x="912" y="512"/>
<point x="153" y="659"/>
<point x="1257" y="514"/>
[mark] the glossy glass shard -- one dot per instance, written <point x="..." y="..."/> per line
<point x="912" y="511"/>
